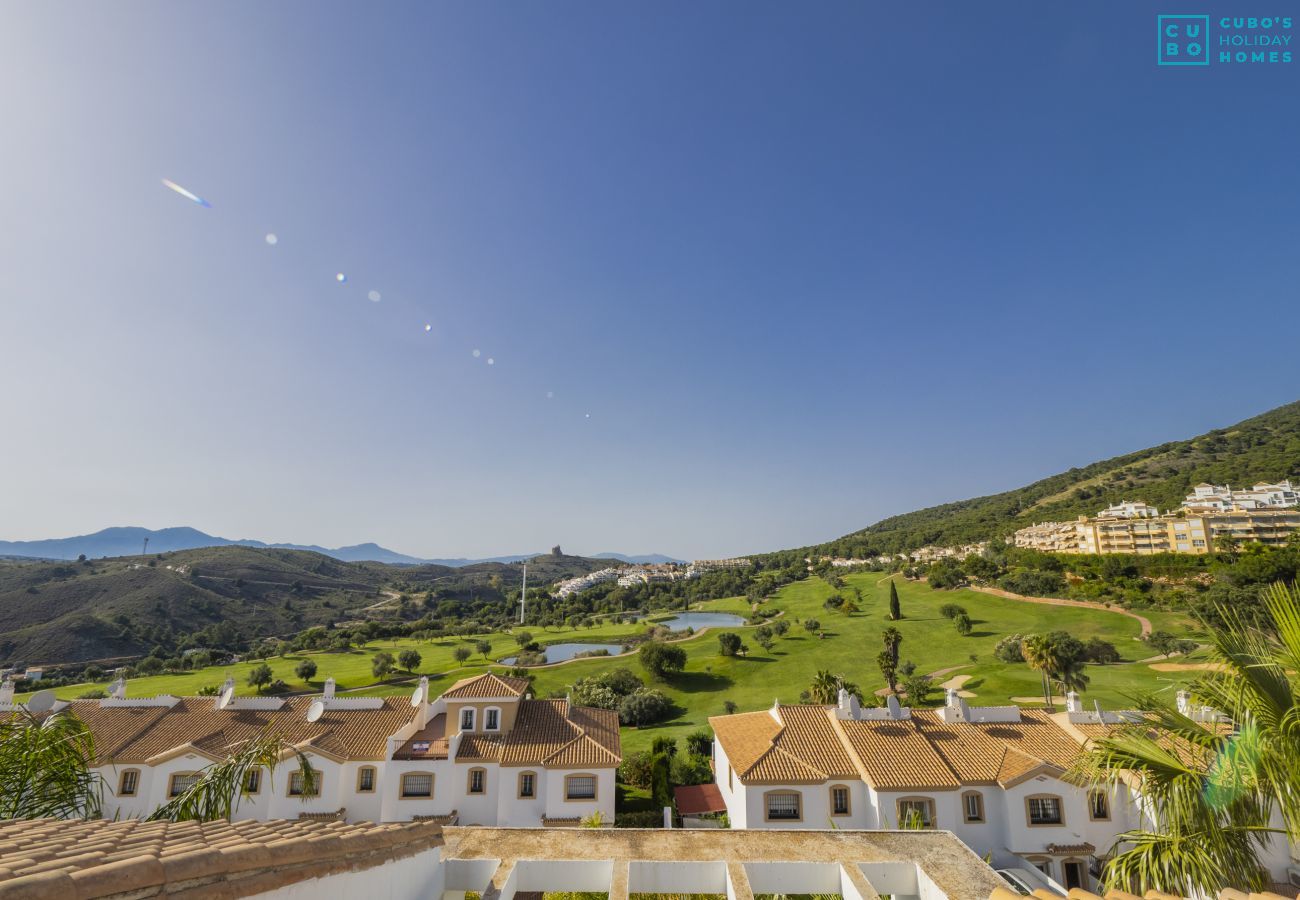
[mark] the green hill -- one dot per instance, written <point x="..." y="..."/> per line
<point x="105" y="609"/>
<point x="1265" y="448"/>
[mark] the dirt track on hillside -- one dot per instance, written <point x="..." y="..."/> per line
<point x="1058" y="601"/>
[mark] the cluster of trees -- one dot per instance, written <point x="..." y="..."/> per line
<point x="664" y="766"/>
<point x="620" y="690"/>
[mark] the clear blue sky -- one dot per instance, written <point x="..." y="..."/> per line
<point x="802" y="265"/>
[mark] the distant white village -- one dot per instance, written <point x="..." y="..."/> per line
<point x="631" y="576"/>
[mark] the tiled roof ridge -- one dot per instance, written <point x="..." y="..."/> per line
<point x="510" y="686"/>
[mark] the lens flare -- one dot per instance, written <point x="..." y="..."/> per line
<point x="272" y="239"/>
<point x="341" y="278"/>
<point x="476" y="354"/>
<point x="550" y="394"/>
<point x="188" y="195"/>
<point x="491" y="361"/>
<point x="374" y="296"/>
<point x="428" y="327"/>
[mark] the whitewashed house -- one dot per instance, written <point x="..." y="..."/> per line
<point x="481" y="754"/>
<point x="994" y="776"/>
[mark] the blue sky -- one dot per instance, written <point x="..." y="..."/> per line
<point x="785" y="269"/>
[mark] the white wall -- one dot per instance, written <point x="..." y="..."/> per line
<point x="417" y="877"/>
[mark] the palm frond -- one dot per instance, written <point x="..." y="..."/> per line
<point x="221" y="786"/>
<point x="45" y="768"/>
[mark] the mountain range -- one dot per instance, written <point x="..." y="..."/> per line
<point x="129" y="541"/>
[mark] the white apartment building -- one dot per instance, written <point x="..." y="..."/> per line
<point x="994" y="776"/>
<point x="481" y="754"/>
<point x="1129" y="509"/>
<point x="1263" y="495"/>
<point x="582" y="582"/>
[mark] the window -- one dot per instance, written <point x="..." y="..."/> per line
<point x="580" y="787"/>
<point x="839" y="800"/>
<point x="298" y="786"/>
<point x="417" y="784"/>
<point x="972" y="806"/>
<point x="492" y="719"/>
<point x="1045" y="811"/>
<point x="1098" y="806"/>
<point x="182" y="782"/>
<point x="783" y="806"/>
<point x="467" y="719"/>
<point x="527" y="785"/>
<point x="366" y="780"/>
<point x="129" y="784"/>
<point x="916" y="812"/>
<point x="252" y="781"/>
<point x="478" y="781"/>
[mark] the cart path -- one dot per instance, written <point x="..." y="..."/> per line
<point x="1058" y="601"/>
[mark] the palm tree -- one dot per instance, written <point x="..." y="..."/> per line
<point x="892" y="638"/>
<point x="1041" y="654"/>
<point x="45" y="768"/>
<point x="1070" y="675"/>
<point x="825" y="687"/>
<point x="1210" y="791"/>
<point x="222" y="785"/>
<point x="888" y="668"/>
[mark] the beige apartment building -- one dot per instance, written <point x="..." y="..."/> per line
<point x="1174" y="533"/>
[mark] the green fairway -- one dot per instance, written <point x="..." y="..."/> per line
<point x="849" y="648"/>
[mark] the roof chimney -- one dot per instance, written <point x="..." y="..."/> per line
<point x="1184" y="702"/>
<point x="847" y="705"/>
<point x="1073" y="703"/>
<point x="117" y="690"/>
<point x="329" y="688"/>
<point x="7" y="693"/>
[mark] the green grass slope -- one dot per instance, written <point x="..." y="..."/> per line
<point x="1264" y="448"/>
<point x="849" y="649"/>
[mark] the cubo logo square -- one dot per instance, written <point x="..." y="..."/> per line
<point x="1182" y="40"/>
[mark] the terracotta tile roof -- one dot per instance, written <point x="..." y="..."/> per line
<point x="556" y="734"/>
<point x="698" y="799"/>
<point x="479" y="748"/>
<point x="430" y="742"/>
<point x="136" y="734"/>
<point x="920" y="752"/>
<point x="91" y="859"/>
<point x="485" y="686"/>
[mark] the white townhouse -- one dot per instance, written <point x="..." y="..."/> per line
<point x="994" y="776"/>
<point x="481" y="754"/>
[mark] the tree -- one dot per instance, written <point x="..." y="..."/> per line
<point x="781" y="627"/>
<point x="918" y="687"/>
<point x="635" y="770"/>
<point x="260" y="676"/>
<point x="812" y="626"/>
<point x="1009" y="649"/>
<point x="1057" y="656"/>
<point x="523" y="638"/>
<point x="951" y="610"/>
<point x="895" y="610"/>
<point x="889" y="668"/>
<point x="409" y="660"/>
<point x="382" y="663"/>
<point x="962" y="623"/>
<point x="892" y="639"/>
<point x="1211" y="791"/>
<point x="699" y="742"/>
<point x="729" y="643"/>
<point x="45" y="767"/>
<point x="1100" y="651"/>
<point x="483" y="647"/>
<point x="661" y="660"/>
<point x="644" y="707"/>
<point x="729" y="707"/>
<point x="1040" y="653"/>
<point x="826" y="687"/>
<point x="306" y="669"/>
<point x="461" y="654"/>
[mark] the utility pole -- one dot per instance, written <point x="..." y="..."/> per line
<point x="523" y="597"/>
<point x="145" y="551"/>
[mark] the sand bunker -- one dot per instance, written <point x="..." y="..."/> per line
<point x="1189" y="667"/>
<point x="955" y="684"/>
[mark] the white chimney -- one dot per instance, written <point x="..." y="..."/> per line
<point x="1073" y="703"/>
<point x="7" y="693"/>
<point x="117" y="690"/>
<point x="329" y="688"/>
<point x="1184" y="702"/>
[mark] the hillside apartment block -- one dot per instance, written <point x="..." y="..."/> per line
<point x="1265" y="514"/>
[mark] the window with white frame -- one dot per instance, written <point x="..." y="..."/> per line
<point x="580" y="787"/>
<point x="1098" y="806"/>
<point x="1045" y="811"/>
<point x="492" y="719"/>
<point x="972" y="804"/>
<point x="252" y="781"/>
<point x="366" y="780"/>
<point x="182" y="782"/>
<point x="467" y="719"/>
<point x="417" y="784"/>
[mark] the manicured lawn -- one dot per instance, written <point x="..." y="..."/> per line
<point x="849" y="648"/>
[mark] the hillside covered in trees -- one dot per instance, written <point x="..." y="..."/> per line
<point x="1264" y="448"/>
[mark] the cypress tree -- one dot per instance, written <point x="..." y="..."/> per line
<point x="895" y="613"/>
